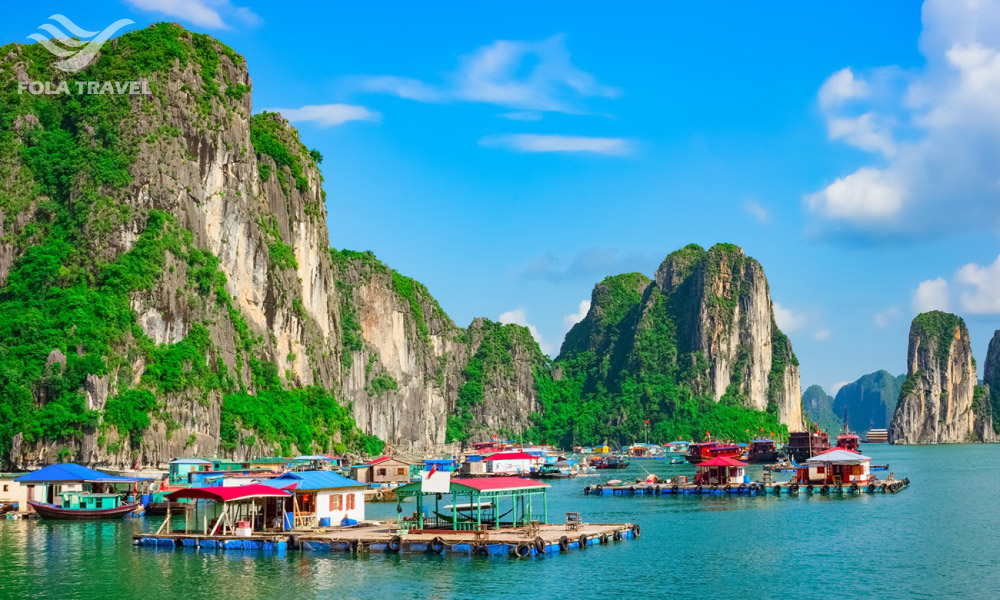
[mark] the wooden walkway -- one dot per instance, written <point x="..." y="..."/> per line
<point x="751" y="489"/>
<point x="515" y="542"/>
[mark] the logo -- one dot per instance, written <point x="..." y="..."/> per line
<point x="75" y="53"/>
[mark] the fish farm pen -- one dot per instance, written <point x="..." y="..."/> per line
<point x="750" y="489"/>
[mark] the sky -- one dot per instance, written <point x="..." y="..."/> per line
<point x="511" y="155"/>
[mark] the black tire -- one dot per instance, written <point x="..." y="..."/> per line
<point x="674" y="488"/>
<point x="729" y="488"/>
<point x="586" y="490"/>
<point x="617" y="535"/>
<point x="810" y="488"/>
<point x="715" y="488"/>
<point x="522" y="550"/>
<point x="825" y="489"/>
<point x="742" y="489"/>
<point x="699" y="489"/>
<point x="599" y="489"/>
<point x="437" y="545"/>
<point x="395" y="544"/>
<point x="871" y="488"/>
<point x="352" y="546"/>
<point x="603" y="539"/>
<point x="631" y="488"/>
<point x="854" y="488"/>
<point x="839" y="489"/>
<point x="794" y="488"/>
<point x="906" y="481"/>
<point x="583" y="541"/>
<point x="777" y="489"/>
<point x="539" y="545"/>
<point x="480" y="550"/>
<point x="658" y="490"/>
<point x="635" y="530"/>
<point x="563" y="543"/>
<point x="883" y="488"/>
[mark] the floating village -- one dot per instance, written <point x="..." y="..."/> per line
<point x="491" y="500"/>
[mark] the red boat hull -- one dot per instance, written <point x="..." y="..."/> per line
<point x="50" y="511"/>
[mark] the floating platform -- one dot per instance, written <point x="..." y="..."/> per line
<point x="747" y="489"/>
<point x="383" y="539"/>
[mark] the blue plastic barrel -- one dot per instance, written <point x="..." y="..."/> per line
<point x="324" y="521"/>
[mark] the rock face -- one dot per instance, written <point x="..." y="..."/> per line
<point x="213" y="318"/>
<point x="818" y="407"/>
<point x="870" y="401"/>
<point x="991" y="377"/>
<point x="940" y="401"/>
<point x="707" y="319"/>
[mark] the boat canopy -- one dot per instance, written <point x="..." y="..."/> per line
<point x="229" y="494"/>
<point x="838" y="455"/>
<point x="73" y="473"/>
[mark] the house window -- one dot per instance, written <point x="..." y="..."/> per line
<point x="350" y="501"/>
<point x="335" y="501"/>
<point x="400" y="471"/>
<point x="381" y="472"/>
<point x="6" y="487"/>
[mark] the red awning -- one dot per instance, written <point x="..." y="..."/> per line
<point x="229" y="494"/>
<point x="499" y="483"/>
<point x="721" y="461"/>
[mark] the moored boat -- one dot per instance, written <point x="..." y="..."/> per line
<point x="83" y="506"/>
<point x="702" y="451"/>
<point x="877" y="436"/>
<point x="762" y="451"/>
<point x="803" y="445"/>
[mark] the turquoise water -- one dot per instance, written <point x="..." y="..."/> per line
<point x="938" y="538"/>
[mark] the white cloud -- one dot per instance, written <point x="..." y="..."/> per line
<point x="841" y="87"/>
<point x="885" y="317"/>
<point x="935" y="129"/>
<point x="931" y="295"/>
<point x="787" y="319"/>
<point x="519" y="317"/>
<point x="523" y="115"/>
<point x="756" y="211"/>
<point x="981" y="294"/>
<point x="204" y="13"/>
<point x="521" y="75"/>
<point x="836" y="387"/>
<point x="328" y="114"/>
<point x="529" y="142"/>
<point x="822" y="334"/>
<point x="582" y="310"/>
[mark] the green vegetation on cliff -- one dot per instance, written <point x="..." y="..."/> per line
<point x="67" y="158"/>
<point x="633" y="359"/>
<point x="818" y="406"/>
<point x="941" y="327"/>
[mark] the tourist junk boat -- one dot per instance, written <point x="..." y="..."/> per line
<point x="849" y="441"/>
<point x="877" y="436"/>
<point x="97" y="502"/>
<point x="803" y="445"/>
<point x="762" y="451"/>
<point x="702" y="451"/>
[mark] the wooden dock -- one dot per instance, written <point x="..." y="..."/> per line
<point x="746" y="489"/>
<point x="515" y="542"/>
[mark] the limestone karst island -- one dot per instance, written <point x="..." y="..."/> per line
<point x="503" y="300"/>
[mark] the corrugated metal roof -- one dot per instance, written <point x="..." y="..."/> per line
<point x="312" y="480"/>
<point x="838" y="455"/>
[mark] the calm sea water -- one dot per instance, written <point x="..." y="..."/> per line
<point x="938" y="538"/>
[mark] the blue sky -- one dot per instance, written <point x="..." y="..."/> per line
<point x="510" y="155"/>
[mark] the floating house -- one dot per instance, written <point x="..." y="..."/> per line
<point x="472" y="504"/>
<point x="14" y="495"/>
<point x="322" y="498"/>
<point x="180" y="468"/>
<point x="382" y="471"/>
<point x="447" y="465"/>
<point x="234" y="510"/>
<point x="836" y="467"/>
<point x="510" y="463"/>
<point x="721" y="471"/>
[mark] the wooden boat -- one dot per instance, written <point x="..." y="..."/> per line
<point x="803" y="445"/>
<point x="51" y="511"/>
<point x="849" y="441"/>
<point x="877" y="436"/>
<point x="610" y="462"/>
<point x="762" y="451"/>
<point x="6" y="507"/>
<point x="703" y="451"/>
